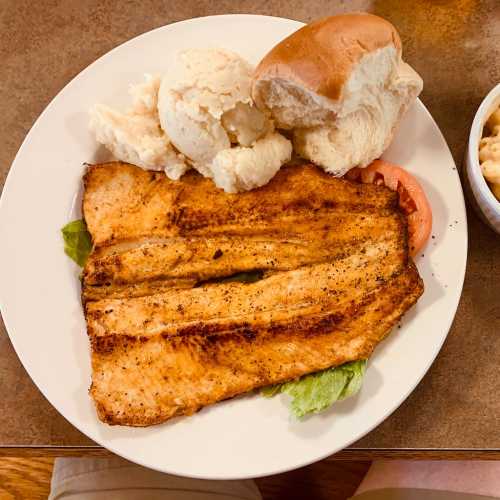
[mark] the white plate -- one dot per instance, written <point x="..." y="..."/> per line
<point x="39" y="290"/>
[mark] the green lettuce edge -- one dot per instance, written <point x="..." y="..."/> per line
<point x="316" y="392"/>
<point x="77" y="241"/>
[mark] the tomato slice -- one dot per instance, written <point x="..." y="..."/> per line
<point x="412" y="199"/>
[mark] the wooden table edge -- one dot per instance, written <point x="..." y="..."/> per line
<point x="351" y="454"/>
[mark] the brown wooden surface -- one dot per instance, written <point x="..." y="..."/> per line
<point x="22" y="478"/>
<point x="454" y="44"/>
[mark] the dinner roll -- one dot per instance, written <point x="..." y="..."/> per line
<point x="341" y="85"/>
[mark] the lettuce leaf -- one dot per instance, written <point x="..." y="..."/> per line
<point x="77" y="241"/>
<point x="318" y="391"/>
<point x="244" y="277"/>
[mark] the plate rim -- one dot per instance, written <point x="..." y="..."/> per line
<point x="301" y="463"/>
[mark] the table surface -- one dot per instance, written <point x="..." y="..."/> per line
<point x="453" y="44"/>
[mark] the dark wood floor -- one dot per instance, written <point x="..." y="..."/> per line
<point x="29" y="478"/>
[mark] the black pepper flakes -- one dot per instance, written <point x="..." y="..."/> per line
<point x="218" y="254"/>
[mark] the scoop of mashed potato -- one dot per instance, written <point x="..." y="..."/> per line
<point x="199" y="115"/>
<point x="136" y="136"/>
<point x="205" y="107"/>
<point x="198" y="99"/>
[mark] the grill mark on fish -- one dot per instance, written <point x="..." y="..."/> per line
<point x="216" y="334"/>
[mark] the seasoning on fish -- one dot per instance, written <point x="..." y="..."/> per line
<point x="170" y="335"/>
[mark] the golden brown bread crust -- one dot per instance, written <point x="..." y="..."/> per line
<point x="321" y="55"/>
<point x="166" y="343"/>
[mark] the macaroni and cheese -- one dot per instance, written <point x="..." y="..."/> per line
<point x="489" y="153"/>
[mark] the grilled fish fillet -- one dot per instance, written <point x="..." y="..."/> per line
<point x="167" y="340"/>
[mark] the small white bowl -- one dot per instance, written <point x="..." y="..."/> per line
<point x="486" y="204"/>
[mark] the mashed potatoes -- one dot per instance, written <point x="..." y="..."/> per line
<point x="136" y="136"/>
<point x="205" y="108"/>
<point x="200" y="94"/>
<point x="200" y="115"/>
